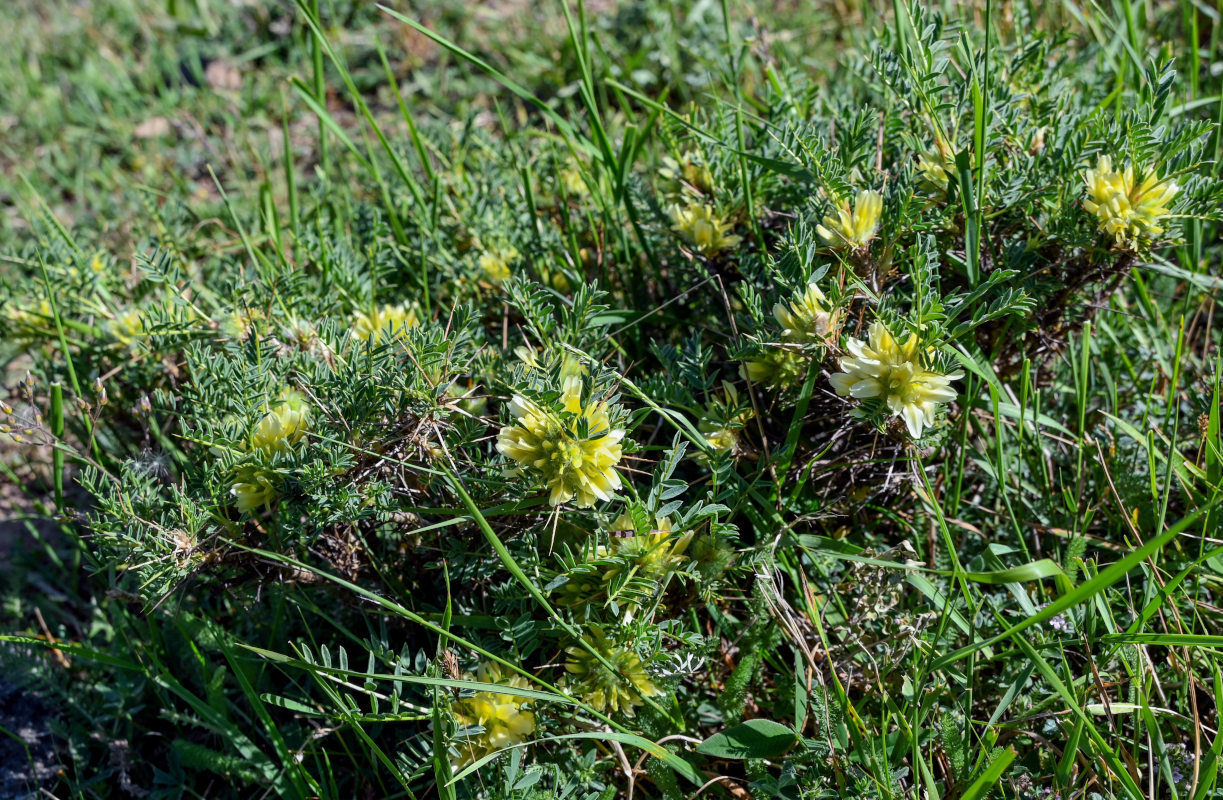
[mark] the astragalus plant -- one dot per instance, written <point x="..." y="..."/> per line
<point x="695" y="417"/>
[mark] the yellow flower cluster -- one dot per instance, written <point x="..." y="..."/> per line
<point x="572" y="182"/>
<point x="126" y="326"/>
<point x="935" y="174"/>
<point x="655" y="552"/>
<point x="284" y="425"/>
<point x="721" y="438"/>
<point x="853" y="227"/>
<point x="495" y="263"/>
<point x="724" y="420"/>
<point x="806" y="318"/>
<point x="777" y="368"/>
<point x="276" y="431"/>
<point x="699" y="225"/>
<point x="618" y="689"/>
<point x="38" y="318"/>
<point x="687" y="176"/>
<point x="650" y="555"/>
<point x="575" y="449"/>
<point x="239" y="323"/>
<point x="254" y="488"/>
<point x="894" y="373"/>
<point x="1124" y="209"/>
<point x="501" y="715"/>
<point x="370" y="326"/>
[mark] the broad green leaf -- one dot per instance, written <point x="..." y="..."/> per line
<point x="756" y="738"/>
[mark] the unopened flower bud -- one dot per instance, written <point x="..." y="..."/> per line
<point x="1038" y="142"/>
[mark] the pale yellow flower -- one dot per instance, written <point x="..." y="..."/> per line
<point x="495" y="263"/>
<point x="724" y="420"/>
<point x="283" y="426"/>
<point x="721" y="439"/>
<point x="699" y="225"/>
<point x="806" y="318"/>
<point x="254" y="488"/>
<point x="501" y="715"/>
<point x="126" y="326"/>
<point x="687" y="176"/>
<point x="935" y="174"/>
<point x="618" y="689"/>
<point x="777" y="368"/>
<point x="575" y="466"/>
<point x="572" y="181"/>
<point x="32" y="319"/>
<point x="369" y="326"/>
<point x="571" y="393"/>
<point x="527" y="355"/>
<point x="894" y="373"/>
<point x="239" y="323"/>
<point x="276" y="431"/>
<point x="1123" y="209"/>
<point x="855" y="226"/>
<point x="654" y="552"/>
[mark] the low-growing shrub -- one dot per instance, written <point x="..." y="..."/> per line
<point x="830" y="433"/>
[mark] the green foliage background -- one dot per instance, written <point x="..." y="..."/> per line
<point x="198" y="199"/>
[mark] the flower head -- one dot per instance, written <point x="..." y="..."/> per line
<point x="934" y="174"/>
<point x="654" y="552"/>
<point x="239" y="323"/>
<point x="646" y="556"/>
<point x="33" y="319"/>
<point x="805" y="318"/>
<point x="687" y="176"/>
<point x="1123" y="209"/>
<point x="776" y="368"/>
<point x="722" y="439"/>
<point x="370" y="326"/>
<point x="495" y="263"/>
<point x="574" y="448"/>
<point x="254" y="488"/>
<point x="853" y="227"/>
<point x="501" y="716"/>
<point x="894" y="373"/>
<point x="618" y="689"/>
<point x="126" y="326"/>
<point x="283" y="426"/>
<point x="572" y="181"/>
<point x="699" y="225"/>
